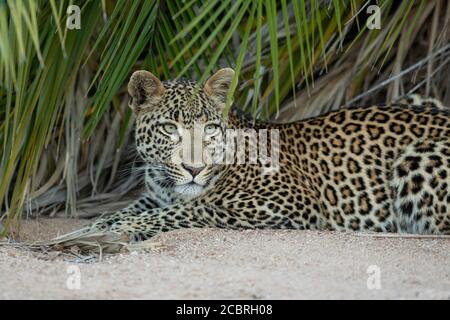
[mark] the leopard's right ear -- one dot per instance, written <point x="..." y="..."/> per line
<point x="145" y="90"/>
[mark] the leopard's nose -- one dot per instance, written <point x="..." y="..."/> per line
<point x="193" y="170"/>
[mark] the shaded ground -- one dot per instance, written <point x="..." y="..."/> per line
<point x="223" y="264"/>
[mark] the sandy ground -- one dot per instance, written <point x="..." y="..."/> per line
<point x="223" y="264"/>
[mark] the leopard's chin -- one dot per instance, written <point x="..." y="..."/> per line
<point x="189" y="190"/>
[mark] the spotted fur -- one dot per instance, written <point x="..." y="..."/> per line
<point x="378" y="168"/>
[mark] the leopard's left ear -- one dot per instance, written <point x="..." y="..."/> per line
<point x="218" y="85"/>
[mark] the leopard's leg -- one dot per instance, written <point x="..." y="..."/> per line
<point x="182" y="215"/>
<point x="198" y="213"/>
<point x="421" y="188"/>
<point x="143" y="204"/>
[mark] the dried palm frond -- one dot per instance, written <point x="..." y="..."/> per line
<point x="85" y="241"/>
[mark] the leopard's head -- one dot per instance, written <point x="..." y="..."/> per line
<point x="180" y="128"/>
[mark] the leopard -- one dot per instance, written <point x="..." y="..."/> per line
<point x="378" y="168"/>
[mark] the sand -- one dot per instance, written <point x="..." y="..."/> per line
<point x="225" y="264"/>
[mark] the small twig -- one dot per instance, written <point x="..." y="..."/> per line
<point x="426" y="79"/>
<point x="402" y="235"/>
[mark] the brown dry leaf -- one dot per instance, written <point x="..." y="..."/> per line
<point x="47" y="256"/>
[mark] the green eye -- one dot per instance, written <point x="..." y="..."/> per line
<point x="211" y="129"/>
<point x="169" y="128"/>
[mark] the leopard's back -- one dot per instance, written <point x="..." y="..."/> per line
<point x="348" y="157"/>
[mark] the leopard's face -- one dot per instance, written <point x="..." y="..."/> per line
<point x="179" y="132"/>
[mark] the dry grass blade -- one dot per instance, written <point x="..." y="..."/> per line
<point x="440" y="51"/>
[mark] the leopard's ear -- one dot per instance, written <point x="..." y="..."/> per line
<point x="145" y="90"/>
<point x="218" y="85"/>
